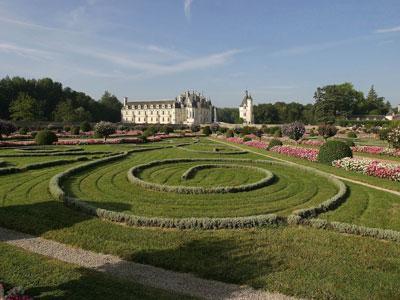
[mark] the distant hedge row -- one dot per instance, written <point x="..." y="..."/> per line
<point x="134" y="172"/>
<point x="55" y="153"/>
<point x="216" y="152"/>
<point x="40" y="165"/>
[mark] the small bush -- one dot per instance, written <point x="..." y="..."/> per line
<point x="75" y="130"/>
<point x="294" y="131"/>
<point x="349" y="143"/>
<point x="229" y="133"/>
<point x="352" y="135"/>
<point x="194" y="128"/>
<point x="333" y="150"/>
<point x="246" y="139"/>
<point x="45" y="137"/>
<point x="207" y="130"/>
<point x="67" y="128"/>
<point x="85" y="126"/>
<point x="23" y="130"/>
<point x="273" y="143"/>
<point x="278" y="133"/>
<point x="327" y="131"/>
<point x="104" y="129"/>
<point x="33" y="134"/>
<point x="383" y="134"/>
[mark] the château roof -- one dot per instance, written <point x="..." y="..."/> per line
<point x="246" y="96"/>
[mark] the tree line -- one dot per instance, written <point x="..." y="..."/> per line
<point x="332" y="103"/>
<point x="47" y="100"/>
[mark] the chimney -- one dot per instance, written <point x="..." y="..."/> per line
<point x="125" y="101"/>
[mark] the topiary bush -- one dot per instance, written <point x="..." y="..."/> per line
<point x="104" y="129"/>
<point x="75" y="130"/>
<point x="207" y="130"/>
<point x="273" y="143"/>
<point x="85" y="126"/>
<point x="333" y="150"/>
<point x="45" y="137"/>
<point x="352" y="135"/>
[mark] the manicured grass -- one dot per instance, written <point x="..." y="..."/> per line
<point x="108" y="187"/>
<point x="46" y="278"/>
<point x="299" y="261"/>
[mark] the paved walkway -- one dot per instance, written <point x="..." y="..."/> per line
<point x="181" y="283"/>
<point x="286" y="161"/>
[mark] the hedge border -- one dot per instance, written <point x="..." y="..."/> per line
<point x="341" y="227"/>
<point x="56" y="153"/>
<point x="273" y="220"/>
<point x="180" y="189"/>
<point x="39" y="149"/>
<point x="216" y="152"/>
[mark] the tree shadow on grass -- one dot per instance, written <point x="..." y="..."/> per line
<point x="222" y="259"/>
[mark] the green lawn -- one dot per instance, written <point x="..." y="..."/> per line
<point x="299" y="261"/>
<point x="108" y="187"/>
<point x="46" y="278"/>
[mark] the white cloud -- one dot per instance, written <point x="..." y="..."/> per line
<point x="25" y="51"/>
<point x="187" y="8"/>
<point x="387" y="30"/>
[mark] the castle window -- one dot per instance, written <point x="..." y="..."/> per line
<point x="151" y="106"/>
<point x="145" y="107"/>
<point x="139" y="107"/>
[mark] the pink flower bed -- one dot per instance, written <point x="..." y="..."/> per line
<point x="304" y="153"/>
<point x="376" y="150"/>
<point x="99" y="141"/>
<point x="256" y="144"/>
<point x="235" y="140"/>
<point x="370" y="167"/>
<point x="251" y="136"/>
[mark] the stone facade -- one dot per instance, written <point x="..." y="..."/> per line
<point x="246" y="109"/>
<point x="188" y="108"/>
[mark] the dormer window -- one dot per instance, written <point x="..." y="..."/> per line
<point x="145" y="106"/>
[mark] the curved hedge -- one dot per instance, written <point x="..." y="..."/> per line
<point x="216" y="152"/>
<point x="180" y="189"/>
<point x="41" y="150"/>
<point x="57" y="192"/>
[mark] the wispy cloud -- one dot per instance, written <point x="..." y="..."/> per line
<point x="25" y="51"/>
<point x="387" y="30"/>
<point x="187" y="6"/>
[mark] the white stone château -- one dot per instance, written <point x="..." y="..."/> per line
<point x="246" y="109"/>
<point x="188" y="108"/>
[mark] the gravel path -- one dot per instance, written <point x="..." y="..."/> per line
<point x="339" y="177"/>
<point x="181" y="283"/>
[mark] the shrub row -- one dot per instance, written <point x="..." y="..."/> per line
<point x="39" y="150"/>
<point x="216" y="152"/>
<point x="40" y="165"/>
<point x="55" y="153"/>
<point x="383" y="234"/>
<point x="134" y="172"/>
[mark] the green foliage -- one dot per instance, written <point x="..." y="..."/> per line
<point x="228" y="115"/>
<point x="195" y="128"/>
<point x="112" y="107"/>
<point x="25" y="108"/>
<point x="383" y="134"/>
<point x="23" y="130"/>
<point x="45" y="137"/>
<point x="66" y="112"/>
<point x="104" y="129"/>
<point x="6" y="128"/>
<point x="333" y="150"/>
<point x="75" y="130"/>
<point x="85" y="126"/>
<point x="327" y="130"/>
<point x="351" y="135"/>
<point x="273" y="143"/>
<point x="246" y="139"/>
<point x="207" y="130"/>
<point x="167" y="129"/>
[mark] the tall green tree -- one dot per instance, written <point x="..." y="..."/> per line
<point x="336" y="100"/>
<point x="25" y="108"/>
<point x="112" y="107"/>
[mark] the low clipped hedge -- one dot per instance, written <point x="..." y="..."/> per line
<point x="216" y="152"/>
<point x="180" y="189"/>
<point x="2" y="163"/>
<point x="30" y="154"/>
<point x="273" y="143"/>
<point x="333" y="150"/>
<point x="378" y="233"/>
<point x="40" y="165"/>
<point x="41" y="150"/>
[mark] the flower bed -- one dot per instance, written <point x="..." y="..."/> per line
<point x="370" y="167"/>
<point x="304" y="153"/>
<point x="235" y="140"/>
<point x="376" y="150"/>
<point x="315" y="143"/>
<point x="16" y="143"/>
<point x="15" y="293"/>
<point x="256" y="144"/>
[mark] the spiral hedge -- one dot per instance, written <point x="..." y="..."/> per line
<point x="55" y="187"/>
<point x="135" y="171"/>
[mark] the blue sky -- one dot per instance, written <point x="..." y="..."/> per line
<point x="278" y="49"/>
